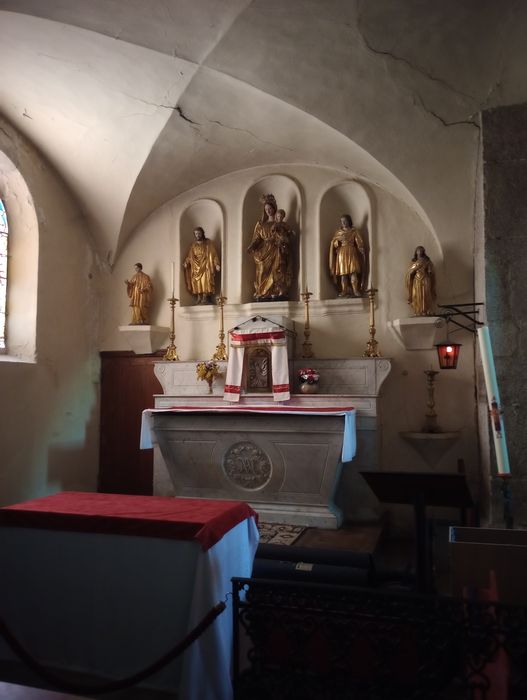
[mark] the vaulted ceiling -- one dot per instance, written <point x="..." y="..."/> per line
<point x="136" y="101"/>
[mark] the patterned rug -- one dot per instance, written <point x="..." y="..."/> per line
<point x="279" y="533"/>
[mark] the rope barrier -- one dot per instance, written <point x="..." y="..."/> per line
<point x="111" y="686"/>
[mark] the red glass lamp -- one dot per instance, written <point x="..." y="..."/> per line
<point x="447" y="354"/>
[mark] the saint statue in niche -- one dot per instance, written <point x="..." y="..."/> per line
<point x="271" y="249"/>
<point x="201" y="265"/>
<point x="347" y="259"/>
<point x="420" y="283"/>
<point x="139" y="290"/>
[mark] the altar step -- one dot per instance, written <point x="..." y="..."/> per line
<point x="344" y="556"/>
<point x="355" y="537"/>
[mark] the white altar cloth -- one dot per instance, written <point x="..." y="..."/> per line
<point x="109" y="605"/>
<point x="349" y="440"/>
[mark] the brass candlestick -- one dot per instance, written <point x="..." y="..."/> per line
<point x="307" y="351"/>
<point x="372" y="346"/>
<point x="221" y="350"/>
<point x="171" y="353"/>
<point x="430" y="425"/>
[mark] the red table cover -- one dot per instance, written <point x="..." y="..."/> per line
<point x="144" y="516"/>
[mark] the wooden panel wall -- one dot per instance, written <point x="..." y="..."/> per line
<point x="127" y="387"/>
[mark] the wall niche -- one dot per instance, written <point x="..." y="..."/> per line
<point x="288" y="197"/>
<point x="351" y="198"/>
<point x="208" y="214"/>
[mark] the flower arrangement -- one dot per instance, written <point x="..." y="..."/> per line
<point x="208" y="371"/>
<point x="306" y="375"/>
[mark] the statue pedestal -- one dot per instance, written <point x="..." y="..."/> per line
<point x="431" y="446"/>
<point x="418" y="332"/>
<point x="144" y="340"/>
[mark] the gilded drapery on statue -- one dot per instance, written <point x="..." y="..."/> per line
<point x="271" y="249"/>
<point x="139" y="290"/>
<point x="347" y="259"/>
<point x="201" y="265"/>
<point x="420" y="283"/>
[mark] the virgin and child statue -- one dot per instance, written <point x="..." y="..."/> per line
<point x="272" y="251"/>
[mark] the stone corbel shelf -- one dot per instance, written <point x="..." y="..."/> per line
<point x="431" y="446"/>
<point x="418" y="332"/>
<point x="144" y="340"/>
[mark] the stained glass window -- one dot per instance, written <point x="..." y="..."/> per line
<point x="3" y="273"/>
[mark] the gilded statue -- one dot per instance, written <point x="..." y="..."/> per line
<point x="271" y="248"/>
<point x="139" y="290"/>
<point x="347" y="259"/>
<point x="201" y="265"/>
<point x="421" y="284"/>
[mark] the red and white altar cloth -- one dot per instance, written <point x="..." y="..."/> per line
<point x="245" y="337"/>
<point x="106" y="584"/>
<point x="349" y="438"/>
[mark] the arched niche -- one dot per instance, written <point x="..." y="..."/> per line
<point x="288" y="197"/>
<point x="208" y="214"/>
<point x="350" y="197"/>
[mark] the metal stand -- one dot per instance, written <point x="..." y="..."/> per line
<point x="507" y="500"/>
<point x="372" y="346"/>
<point x="307" y="351"/>
<point x="171" y="353"/>
<point x="430" y="425"/>
<point x="221" y="350"/>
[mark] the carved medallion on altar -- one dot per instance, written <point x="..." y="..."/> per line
<point x="247" y="465"/>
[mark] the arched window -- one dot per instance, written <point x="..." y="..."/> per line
<point x="19" y="238"/>
<point x="3" y="274"/>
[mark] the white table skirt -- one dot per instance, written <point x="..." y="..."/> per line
<point x="109" y="605"/>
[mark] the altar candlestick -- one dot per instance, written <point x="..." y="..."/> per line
<point x="221" y="350"/>
<point x="430" y="425"/>
<point x="493" y="400"/>
<point x="306" y="296"/>
<point x="372" y="346"/>
<point x="307" y="351"/>
<point x="171" y="353"/>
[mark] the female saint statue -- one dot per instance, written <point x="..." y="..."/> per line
<point x="347" y="259"/>
<point x="272" y="254"/>
<point x="421" y="284"/>
<point x="139" y="290"/>
<point x="201" y="264"/>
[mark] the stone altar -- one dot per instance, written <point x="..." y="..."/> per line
<point x="297" y="475"/>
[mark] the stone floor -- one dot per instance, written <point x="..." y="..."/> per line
<point x="18" y="691"/>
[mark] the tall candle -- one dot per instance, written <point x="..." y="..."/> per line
<point x="173" y="266"/>
<point x="493" y="401"/>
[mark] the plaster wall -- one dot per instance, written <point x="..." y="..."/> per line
<point x="48" y="407"/>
